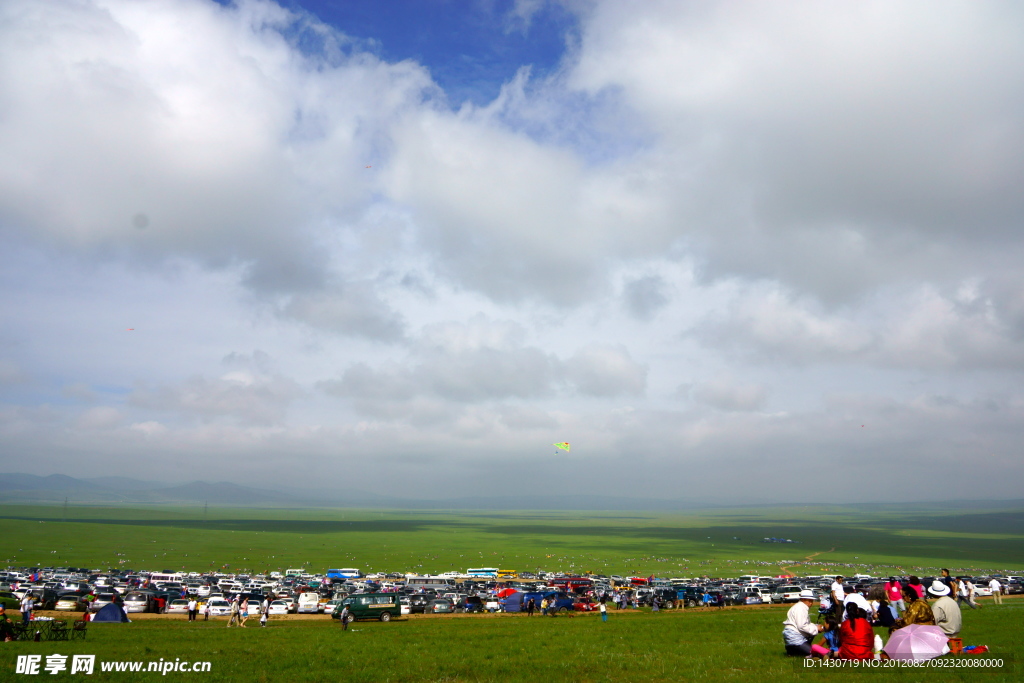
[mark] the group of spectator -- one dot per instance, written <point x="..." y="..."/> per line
<point x="850" y="618"/>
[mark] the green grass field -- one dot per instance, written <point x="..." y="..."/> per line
<point x="731" y="644"/>
<point x="735" y="643"/>
<point x="713" y="543"/>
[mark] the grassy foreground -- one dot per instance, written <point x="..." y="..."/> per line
<point x="739" y="644"/>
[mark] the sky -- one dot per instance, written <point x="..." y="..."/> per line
<point x="729" y="251"/>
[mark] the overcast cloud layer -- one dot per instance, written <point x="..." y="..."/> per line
<point x="772" y="246"/>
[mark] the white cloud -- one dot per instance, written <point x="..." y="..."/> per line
<point x="606" y="371"/>
<point x="728" y="395"/>
<point x="238" y="395"/>
<point x="817" y="198"/>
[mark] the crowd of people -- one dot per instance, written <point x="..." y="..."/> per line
<point x="847" y="621"/>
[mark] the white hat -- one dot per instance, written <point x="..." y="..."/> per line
<point x="807" y="594"/>
<point x="859" y="600"/>
<point x="938" y="588"/>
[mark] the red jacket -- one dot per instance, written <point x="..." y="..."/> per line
<point x="856" y="639"/>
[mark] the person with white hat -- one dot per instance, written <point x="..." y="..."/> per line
<point x="945" y="609"/>
<point x="798" y="631"/>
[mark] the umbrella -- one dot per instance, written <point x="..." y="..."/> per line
<point x="917" y="642"/>
<point x="505" y="592"/>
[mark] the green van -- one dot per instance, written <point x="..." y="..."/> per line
<point x="381" y="606"/>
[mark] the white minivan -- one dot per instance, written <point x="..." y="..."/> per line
<point x="309" y="603"/>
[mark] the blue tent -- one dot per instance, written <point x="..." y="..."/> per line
<point x="512" y="603"/>
<point x="111" y="613"/>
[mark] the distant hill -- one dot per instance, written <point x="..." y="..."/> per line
<point x="28" y="488"/>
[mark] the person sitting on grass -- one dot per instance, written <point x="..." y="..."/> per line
<point x="885" y="614"/>
<point x="6" y="627"/>
<point x="856" y="637"/>
<point x="918" y="611"/>
<point x="798" y="631"/>
<point x="830" y="633"/>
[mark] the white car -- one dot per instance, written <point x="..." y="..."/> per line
<point x="178" y="607"/>
<point x="983" y="591"/>
<point x="278" y="608"/>
<point x="219" y="607"/>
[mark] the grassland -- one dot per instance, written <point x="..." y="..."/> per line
<point x="738" y="644"/>
<point x="732" y="644"/>
<point x="713" y="543"/>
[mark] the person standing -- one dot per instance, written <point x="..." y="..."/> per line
<point x="997" y="591"/>
<point x="206" y="610"/>
<point x="604" y="611"/>
<point x="965" y="593"/>
<point x="949" y="581"/>
<point x="193" y="608"/>
<point x="972" y="594"/>
<point x="838" y="594"/>
<point x="344" y="618"/>
<point x="234" y="612"/>
<point x="244" y="609"/>
<point x="26" y="608"/>
<point x="531" y="605"/>
<point x="894" y="591"/>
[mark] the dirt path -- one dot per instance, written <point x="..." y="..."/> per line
<point x="810" y="557"/>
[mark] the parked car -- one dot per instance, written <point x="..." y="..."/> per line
<point x="179" y="606"/>
<point x="470" y="603"/>
<point x="380" y="606"/>
<point x="71" y="602"/>
<point x="692" y="596"/>
<point x="139" y="602"/>
<point x="787" y="593"/>
<point x="439" y="606"/>
<point x="102" y="600"/>
<point x="309" y="603"/>
<point x="219" y="607"/>
<point x="744" y="596"/>
<point x="418" y="602"/>
<point x="10" y="602"/>
<point x="981" y="589"/>
<point x="279" y="608"/>
<point x="559" y="601"/>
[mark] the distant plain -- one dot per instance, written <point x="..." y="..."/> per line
<point x="715" y="542"/>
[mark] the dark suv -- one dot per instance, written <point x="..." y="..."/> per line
<point x="470" y="603"/>
<point x="418" y="602"/>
